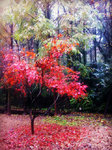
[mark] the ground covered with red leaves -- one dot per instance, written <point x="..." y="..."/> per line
<point x="55" y="133"/>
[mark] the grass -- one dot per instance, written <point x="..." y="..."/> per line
<point x="77" y="120"/>
<point x="64" y="120"/>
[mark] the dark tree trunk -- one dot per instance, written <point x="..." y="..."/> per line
<point x="105" y="58"/>
<point x="25" y="105"/>
<point x="84" y="57"/>
<point x="102" y="51"/>
<point x="6" y="100"/>
<point x="32" y="108"/>
<point x="32" y="43"/>
<point x="58" y="19"/>
<point x="32" y="125"/>
<point x="55" y="105"/>
<point x="71" y="22"/>
<point x="91" y="57"/>
<point x="28" y="43"/>
<point x="11" y="27"/>
<point x="48" y="12"/>
<point x="78" y="57"/>
<point x="109" y="53"/>
<point x="95" y="53"/>
<point x="8" y="104"/>
<point x="56" y="96"/>
<point x="109" y="98"/>
<point x="83" y="47"/>
<point x="32" y="118"/>
<point x="17" y="45"/>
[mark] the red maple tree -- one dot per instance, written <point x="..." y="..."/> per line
<point x="21" y="73"/>
<point x="58" y="78"/>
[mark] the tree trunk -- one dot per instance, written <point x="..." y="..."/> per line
<point x="83" y="47"/>
<point x="91" y="57"/>
<point x="95" y="53"/>
<point x="55" y="107"/>
<point x="58" y="19"/>
<point x="28" y="44"/>
<point x="84" y="57"/>
<point x="6" y="100"/>
<point x="32" y="125"/>
<point x="55" y="103"/>
<point x="25" y="105"/>
<point x="109" y="54"/>
<point x="48" y="11"/>
<point x="32" y="117"/>
<point x="11" y="27"/>
<point x="9" y="104"/>
<point x="17" y="45"/>
<point x="109" y="97"/>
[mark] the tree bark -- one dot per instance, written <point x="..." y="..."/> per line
<point x="6" y="100"/>
<point x="58" y="19"/>
<point x="55" y="105"/>
<point x="32" y="125"/>
<point x="32" y="117"/>
<point x="91" y="57"/>
<point x="108" y="101"/>
<point x="48" y="11"/>
<point x="11" y="27"/>
<point x="28" y="44"/>
<point x="83" y="47"/>
<point x="95" y="53"/>
<point x="84" y="56"/>
<point x="9" y="104"/>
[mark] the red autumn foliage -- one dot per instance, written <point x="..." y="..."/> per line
<point x="58" y="78"/>
<point x="20" y="73"/>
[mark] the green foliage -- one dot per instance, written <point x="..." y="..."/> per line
<point x="84" y="38"/>
<point x="100" y="84"/>
<point x="28" y="21"/>
<point x="84" y="70"/>
<point x="98" y="77"/>
<point x="43" y="29"/>
<point x="84" y="105"/>
<point x="79" y="21"/>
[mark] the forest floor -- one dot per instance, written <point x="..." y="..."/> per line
<point x="66" y="132"/>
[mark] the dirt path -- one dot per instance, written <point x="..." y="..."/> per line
<point x="97" y="138"/>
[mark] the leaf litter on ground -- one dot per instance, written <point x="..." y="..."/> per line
<point x="80" y="132"/>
